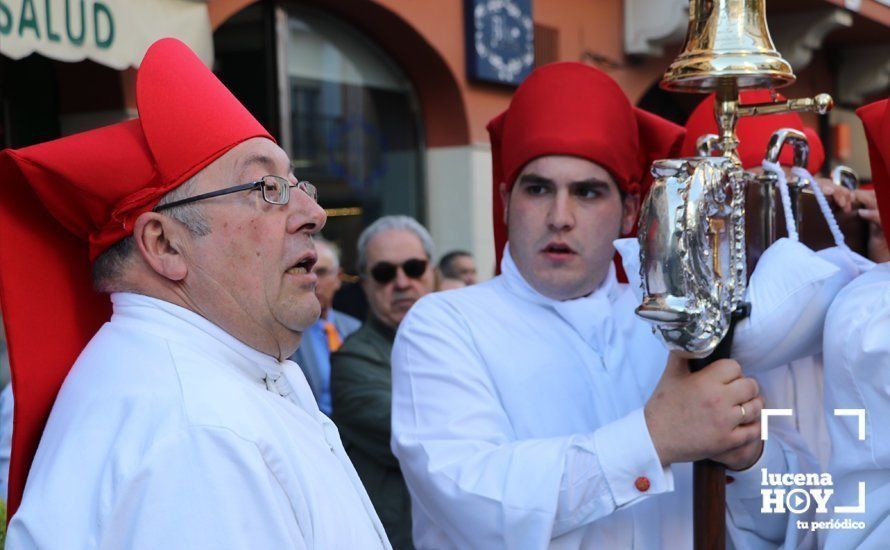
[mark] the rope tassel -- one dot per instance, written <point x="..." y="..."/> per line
<point x="833" y="226"/>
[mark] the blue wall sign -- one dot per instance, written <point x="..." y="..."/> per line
<point x="500" y="40"/>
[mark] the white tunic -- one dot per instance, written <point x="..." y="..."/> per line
<point x="518" y="422"/>
<point x="857" y="376"/>
<point x="170" y="433"/>
<point x="798" y="386"/>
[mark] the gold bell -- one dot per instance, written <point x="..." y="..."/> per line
<point x="727" y="40"/>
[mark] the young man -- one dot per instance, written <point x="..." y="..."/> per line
<point x="181" y="424"/>
<point x="536" y="409"/>
<point x="857" y="371"/>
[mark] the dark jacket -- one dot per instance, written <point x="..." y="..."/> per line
<point x="361" y="391"/>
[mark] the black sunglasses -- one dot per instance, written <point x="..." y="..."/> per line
<point x="385" y="272"/>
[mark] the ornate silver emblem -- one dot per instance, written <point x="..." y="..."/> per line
<point x="692" y="251"/>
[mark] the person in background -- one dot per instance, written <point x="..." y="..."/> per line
<point x="327" y="334"/>
<point x="446" y="283"/>
<point x="857" y="373"/>
<point x="458" y="264"/>
<point x="866" y="203"/>
<point x="394" y="256"/>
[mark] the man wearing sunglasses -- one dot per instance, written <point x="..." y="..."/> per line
<point x="394" y="256"/>
<point x="536" y="410"/>
<point x="181" y="423"/>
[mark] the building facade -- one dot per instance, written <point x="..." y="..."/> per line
<point x="383" y="103"/>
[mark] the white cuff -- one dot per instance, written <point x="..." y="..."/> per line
<point x="629" y="461"/>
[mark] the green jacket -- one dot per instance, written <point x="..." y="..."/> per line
<point x="361" y="392"/>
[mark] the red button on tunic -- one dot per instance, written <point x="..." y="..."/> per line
<point x="642" y="484"/>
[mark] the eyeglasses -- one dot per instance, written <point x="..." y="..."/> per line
<point x="385" y="272"/>
<point x="276" y="190"/>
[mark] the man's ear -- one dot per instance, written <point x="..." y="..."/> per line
<point x="161" y="240"/>
<point x="630" y="210"/>
<point x="365" y="282"/>
<point x="339" y="282"/>
<point x="505" y="199"/>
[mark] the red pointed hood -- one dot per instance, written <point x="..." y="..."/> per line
<point x="876" y="120"/>
<point x="64" y="202"/>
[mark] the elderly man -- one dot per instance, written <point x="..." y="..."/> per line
<point x="394" y="255"/>
<point x="535" y="410"/>
<point x="458" y="264"/>
<point x="327" y="334"/>
<point x="857" y="376"/>
<point x="181" y="424"/>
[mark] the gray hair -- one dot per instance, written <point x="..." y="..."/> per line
<point x="190" y="215"/>
<point x="332" y="246"/>
<point x="390" y="223"/>
<point x="108" y="268"/>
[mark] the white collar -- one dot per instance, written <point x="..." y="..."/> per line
<point x="591" y="316"/>
<point x="178" y="324"/>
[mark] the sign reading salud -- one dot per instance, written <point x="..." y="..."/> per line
<point x="500" y="40"/>
<point x="115" y="33"/>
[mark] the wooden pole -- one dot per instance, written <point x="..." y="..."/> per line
<point x="709" y="505"/>
<point x="709" y="477"/>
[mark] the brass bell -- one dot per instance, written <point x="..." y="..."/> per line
<point x="727" y="41"/>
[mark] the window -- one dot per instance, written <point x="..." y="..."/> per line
<point x="351" y="124"/>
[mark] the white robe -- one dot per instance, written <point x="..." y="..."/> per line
<point x="799" y="386"/>
<point x="857" y="376"/>
<point x="170" y="433"/>
<point x="518" y="422"/>
<point x="795" y="286"/>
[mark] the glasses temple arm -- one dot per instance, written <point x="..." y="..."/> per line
<point x="209" y="195"/>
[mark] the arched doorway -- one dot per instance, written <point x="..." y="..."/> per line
<point x="340" y="106"/>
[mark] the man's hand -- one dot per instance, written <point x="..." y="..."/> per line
<point x="837" y="195"/>
<point x="692" y="416"/>
<point x="745" y="456"/>
<point x="867" y="204"/>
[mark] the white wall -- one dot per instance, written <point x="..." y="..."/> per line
<point x="458" y="202"/>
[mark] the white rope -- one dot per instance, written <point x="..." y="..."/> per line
<point x="786" y="197"/>
<point x="836" y="232"/>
